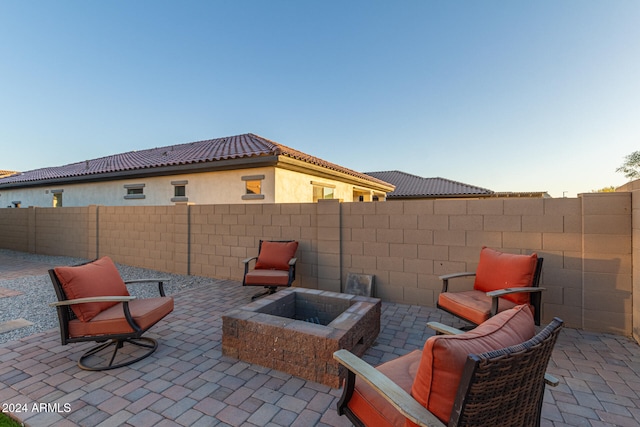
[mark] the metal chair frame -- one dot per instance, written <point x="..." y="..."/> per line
<point x="66" y="314"/>
<point x="270" y="289"/>
<point x="503" y="387"/>
<point x="535" y="291"/>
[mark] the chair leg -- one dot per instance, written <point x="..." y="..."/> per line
<point x="101" y="365"/>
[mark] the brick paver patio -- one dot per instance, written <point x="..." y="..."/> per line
<point x="188" y="382"/>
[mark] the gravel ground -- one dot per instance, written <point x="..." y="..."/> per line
<point x="33" y="304"/>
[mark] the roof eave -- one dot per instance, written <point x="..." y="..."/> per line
<point x="212" y="166"/>
<point x="289" y="163"/>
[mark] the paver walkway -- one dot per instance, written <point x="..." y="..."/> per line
<point x="188" y="382"/>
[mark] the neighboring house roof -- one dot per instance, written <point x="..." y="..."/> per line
<point x="247" y="150"/>
<point x="412" y="186"/>
<point x="4" y="173"/>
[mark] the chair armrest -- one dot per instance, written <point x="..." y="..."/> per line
<point x="390" y="391"/>
<point x="495" y="297"/>
<point x="444" y="329"/>
<point x="551" y="380"/>
<point x="293" y="261"/>
<point x="445" y="278"/>
<point x="507" y="291"/>
<point x="449" y="330"/>
<point x="454" y="275"/>
<point x="93" y="299"/>
<point x="247" y="260"/>
<point x="126" y="282"/>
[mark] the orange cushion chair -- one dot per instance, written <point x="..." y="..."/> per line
<point x="94" y="305"/>
<point x="431" y="386"/>
<point x="275" y="266"/>
<point x="502" y="281"/>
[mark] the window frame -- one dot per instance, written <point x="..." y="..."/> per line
<point x="323" y="186"/>
<point x="176" y="185"/>
<point x="134" y="191"/>
<point x="250" y="195"/>
<point x="56" y="196"/>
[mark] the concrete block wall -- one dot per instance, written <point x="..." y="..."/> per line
<point x="15" y="229"/>
<point x="586" y="242"/>
<point x="635" y="286"/>
<point x="68" y="232"/>
<point x="607" y="261"/>
<point x="221" y="236"/>
<point x="152" y="237"/>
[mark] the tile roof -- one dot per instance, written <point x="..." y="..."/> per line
<point x="6" y="173"/>
<point x="412" y="186"/>
<point x="234" y="147"/>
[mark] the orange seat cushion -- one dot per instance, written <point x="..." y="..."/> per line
<point x="371" y="408"/>
<point x="276" y="255"/>
<point x="145" y="312"/>
<point x="95" y="279"/>
<point x="443" y="357"/>
<point x="474" y="306"/>
<point x="267" y="278"/>
<point x="498" y="270"/>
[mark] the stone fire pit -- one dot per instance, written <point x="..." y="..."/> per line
<point x="297" y="330"/>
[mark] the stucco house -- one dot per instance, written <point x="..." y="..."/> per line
<point x="237" y="169"/>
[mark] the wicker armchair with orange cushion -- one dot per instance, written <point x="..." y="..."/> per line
<point x="275" y="266"/>
<point x="95" y="305"/>
<point x="502" y="281"/>
<point x="493" y="375"/>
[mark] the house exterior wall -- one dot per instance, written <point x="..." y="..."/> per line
<point x="589" y="244"/>
<point x="297" y="187"/>
<point x="220" y="187"/>
<point x="202" y="188"/>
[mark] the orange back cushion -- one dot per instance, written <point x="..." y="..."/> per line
<point x="97" y="278"/>
<point x="444" y="356"/>
<point x="276" y="255"/>
<point x="498" y="270"/>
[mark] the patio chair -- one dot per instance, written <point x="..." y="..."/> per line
<point x="94" y="305"/>
<point x="491" y="376"/>
<point x="275" y="266"/>
<point x="502" y="281"/>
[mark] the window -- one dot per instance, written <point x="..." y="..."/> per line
<point x="57" y="198"/>
<point x="322" y="191"/>
<point x="134" y="191"/>
<point x="179" y="191"/>
<point x="253" y="187"/>
<point x="361" y="195"/>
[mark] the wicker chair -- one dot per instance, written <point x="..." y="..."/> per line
<point x="94" y="305"/>
<point x="502" y="281"/>
<point x="275" y="266"/>
<point x="503" y="387"/>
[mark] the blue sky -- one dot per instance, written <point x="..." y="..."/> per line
<point x="506" y="95"/>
